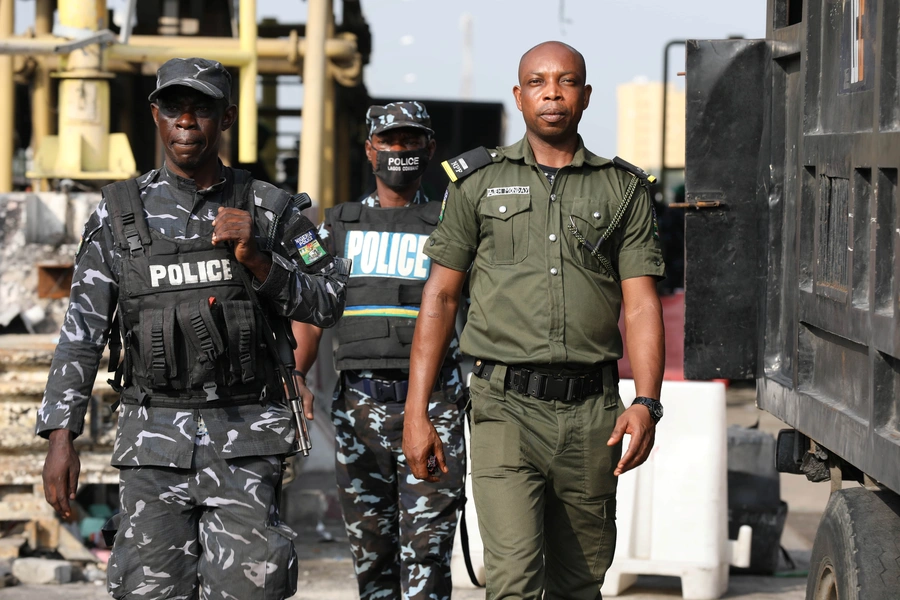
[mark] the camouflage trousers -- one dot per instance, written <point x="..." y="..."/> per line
<point x="400" y="529"/>
<point x="211" y="531"/>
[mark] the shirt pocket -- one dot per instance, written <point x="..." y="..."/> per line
<point x="592" y="220"/>
<point x="505" y="219"/>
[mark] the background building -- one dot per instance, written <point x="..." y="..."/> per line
<point x="640" y="124"/>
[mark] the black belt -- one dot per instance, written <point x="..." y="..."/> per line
<point x="241" y="394"/>
<point x="384" y="390"/>
<point x="545" y="386"/>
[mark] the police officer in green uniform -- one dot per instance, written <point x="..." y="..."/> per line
<point x="557" y="241"/>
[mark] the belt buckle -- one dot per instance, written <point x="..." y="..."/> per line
<point x="400" y="389"/>
<point x="384" y="390"/>
<point x="535" y="385"/>
<point x="519" y="379"/>
<point x="555" y="388"/>
<point x="575" y="389"/>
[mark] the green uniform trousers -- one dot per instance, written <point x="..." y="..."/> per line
<point x="544" y="488"/>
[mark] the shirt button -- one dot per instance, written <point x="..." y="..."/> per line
<point x="552" y="237"/>
<point x="596" y="215"/>
<point x="502" y="209"/>
<point x="554" y="271"/>
<point x="552" y="197"/>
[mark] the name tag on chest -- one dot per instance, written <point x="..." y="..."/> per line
<point x="387" y="254"/>
<point x="508" y="191"/>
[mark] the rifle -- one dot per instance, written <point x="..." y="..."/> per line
<point x="282" y="350"/>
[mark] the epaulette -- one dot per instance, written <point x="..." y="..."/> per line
<point x="638" y="172"/>
<point x="146" y="179"/>
<point x="467" y="163"/>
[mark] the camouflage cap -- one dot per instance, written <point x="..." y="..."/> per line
<point x="396" y="115"/>
<point x="204" y="75"/>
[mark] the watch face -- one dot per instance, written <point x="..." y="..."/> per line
<point x="654" y="406"/>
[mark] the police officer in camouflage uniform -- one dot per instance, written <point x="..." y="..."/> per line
<point x="203" y="427"/>
<point x="401" y="530"/>
<point x="558" y="240"/>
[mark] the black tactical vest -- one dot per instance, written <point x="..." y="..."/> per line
<point x="192" y="336"/>
<point x="385" y="287"/>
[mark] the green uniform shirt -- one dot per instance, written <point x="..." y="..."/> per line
<point x="538" y="296"/>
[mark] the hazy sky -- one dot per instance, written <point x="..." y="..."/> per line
<point x="620" y="39"/>
<point x="419" y="52"/>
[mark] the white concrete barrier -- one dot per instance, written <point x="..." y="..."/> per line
<point x="672" y="513"/>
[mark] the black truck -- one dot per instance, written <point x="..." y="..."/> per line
<point x="792" y="245"/>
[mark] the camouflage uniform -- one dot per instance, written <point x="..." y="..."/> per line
<point x="185" y="465"/>
<point x="400" y="529"/>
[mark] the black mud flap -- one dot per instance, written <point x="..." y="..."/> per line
<point x="724" y="259"/>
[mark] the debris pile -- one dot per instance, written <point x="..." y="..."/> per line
<point x="29" y="529"/>
<point x="35" y="230"/>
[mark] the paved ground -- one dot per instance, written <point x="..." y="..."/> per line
<point x="326" y="572"/>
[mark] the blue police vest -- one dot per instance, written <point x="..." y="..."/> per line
<point x="385" y="287"/>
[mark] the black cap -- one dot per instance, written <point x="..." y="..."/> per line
<point x="206" y="76"/>
<point x="396" y="115"/>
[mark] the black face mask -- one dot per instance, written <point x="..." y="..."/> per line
<point x="399" y="169"/>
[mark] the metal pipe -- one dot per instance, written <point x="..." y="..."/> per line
<point x="314" y="74"/>
<point x="7" y="99"/>
<point x="83" y="95"/>
<point x="52" y="44"/>
<point x="327" y="200"/>
<point x="41" y="117"/>
<point x="328" y="139"/>
<point x="161" y="53"/>
<point x="665" y="99"/>
<point x="275" y="56"/>
<point x="125" y="33"/>
<point x="247" y="93"/>
<point x="265" y="66"/>
<point x="41" y="111"/>
<point x="268" y="153"/>
<point x="338" y="48"/>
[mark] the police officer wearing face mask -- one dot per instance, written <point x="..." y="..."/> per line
<point x="191" y="263"/>
<point x="401" y="530"/>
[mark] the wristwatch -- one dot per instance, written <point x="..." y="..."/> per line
<point x="654" y="406"/>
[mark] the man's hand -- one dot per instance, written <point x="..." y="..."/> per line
<point x="235" y="226"/>
<point x="420" y="440"/>
<point x="61" y="469"/>
<point x="637" y="422"/>
<point x="306" y="396"/>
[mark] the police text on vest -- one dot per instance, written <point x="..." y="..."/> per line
<point x="387" y="254"/>
<point x="204" y="271"/>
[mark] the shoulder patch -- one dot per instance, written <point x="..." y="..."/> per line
<point x="309" y="249"/>
<point x="467" y="163"/>
<point x="634" y="170"/>
<point x="444" y="205"/>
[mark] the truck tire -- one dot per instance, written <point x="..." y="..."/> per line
<point x="856" y="555"/>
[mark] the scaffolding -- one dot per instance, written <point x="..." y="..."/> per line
<point x="85" y="55"/>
